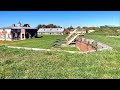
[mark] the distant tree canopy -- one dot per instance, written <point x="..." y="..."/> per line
<point x="78" y="27"/>
<point x="111" y="27"/>
<point x="48" y="26"/>
<point x="26" y="25"/>
<point x="68" y="29"/>
<point x="71" y="27"/>
<point x="90" y="28"/>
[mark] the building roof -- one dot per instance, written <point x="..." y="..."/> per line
<point x="17" y="27"/>
<point x="51" y="30"/>
<point x="82" y="29"/>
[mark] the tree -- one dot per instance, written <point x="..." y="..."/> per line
<point x="67" y="30"/>
<point x="91" y="28"/>
<point x="71" y="27"/>
<point x="48" y="26"/>
<point x="43" y="26"/>
<point x="51" y="26"/>
<point x="78" y="27"/>
<point x="58" y="27"/>
<point x="87" y="30"/>
<point x="39" y="26"/>
<point x="84" y="27"/>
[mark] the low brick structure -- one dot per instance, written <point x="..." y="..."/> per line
<point x="84" y="47"/>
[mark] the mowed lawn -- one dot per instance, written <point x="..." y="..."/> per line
<point x="113" y="42"/>
<point x="44" y="42"/>
<point x="23" y="64"/>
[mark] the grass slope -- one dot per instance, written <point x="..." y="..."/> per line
<point x="22" y="64"/>
<point x="45" y="42"/>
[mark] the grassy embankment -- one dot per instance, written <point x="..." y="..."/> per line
<point x="16" y="63"/>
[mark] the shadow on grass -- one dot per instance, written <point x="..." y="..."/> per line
<point x="39" y="37"/>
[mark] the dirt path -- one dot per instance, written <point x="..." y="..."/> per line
<point x="114" y="36"/>
<point x="40" y="49"/>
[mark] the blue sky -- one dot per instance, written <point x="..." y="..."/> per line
<point x="62" y="18"/>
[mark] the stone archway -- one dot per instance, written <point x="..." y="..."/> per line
<point x="27" y="35"/>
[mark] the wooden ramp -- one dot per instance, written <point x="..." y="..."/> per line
<point x="72" y="39"/>
<point x="72" y="36"/>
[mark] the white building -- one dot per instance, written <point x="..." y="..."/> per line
<point x="89" y="31"/>
<point x="81" y="31"/>
<point x="51" y="31"/>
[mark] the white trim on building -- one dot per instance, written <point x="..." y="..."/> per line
<point x="51" y="31"/>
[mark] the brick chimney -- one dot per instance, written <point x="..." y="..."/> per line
<point x="19" y="24"/>
<point x="13" y="25"/>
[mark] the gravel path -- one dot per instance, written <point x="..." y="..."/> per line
<point x="114" y="36"/>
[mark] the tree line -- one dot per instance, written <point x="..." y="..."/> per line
<point x="111" y="27"/>
<point x="48" y="26"/>
<point x="67" y="30"/>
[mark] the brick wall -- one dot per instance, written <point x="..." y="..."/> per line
<point x="84" y="45"/>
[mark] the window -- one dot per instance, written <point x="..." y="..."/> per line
<point x="2" y="36"/>
<point x="22" y="35"/>
<point x="8" y="35"/>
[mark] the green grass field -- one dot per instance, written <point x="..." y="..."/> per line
<point x="70" y="48"/>
<point x="45" y="42"/>
<point x="23" y="64"/>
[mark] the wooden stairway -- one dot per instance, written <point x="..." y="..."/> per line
<point x="72" y="38"/>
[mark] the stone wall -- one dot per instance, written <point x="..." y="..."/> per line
<point x="5" y="34"/>
<point x="84" y="47"/>
<point x="97" y="45"/>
